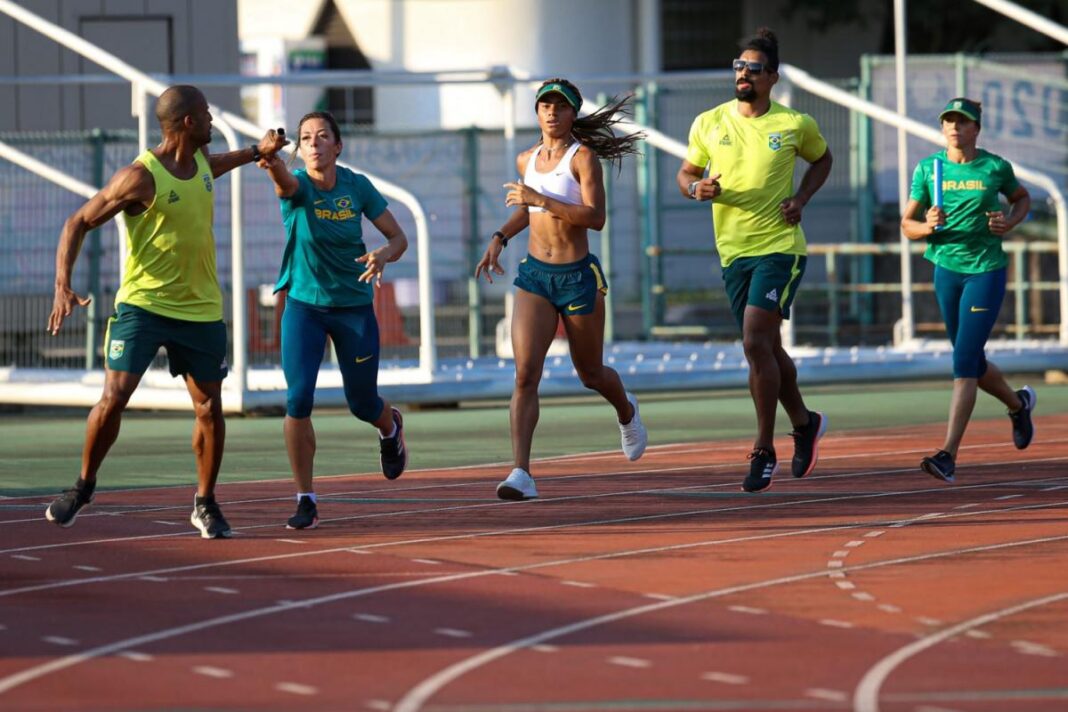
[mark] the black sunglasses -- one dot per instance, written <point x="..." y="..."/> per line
<point x="740" y="64"/>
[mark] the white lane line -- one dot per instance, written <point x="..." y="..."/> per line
<point x="364" y="552"/>
<point x="166" y="523"/>
<point x="855" y="543"/>
<point x="146" y="577"/>
<point x="835" y="624"/>
<point x="370" y="618"/>
<point x="866" y="695"/>
<point x="836" y="575"/>
<point x="507" y="573"/>
<point x="967" y="506"/>
<point x="863" y="596"/>
<point x="840" y="554"/>
<point x="747" y="609"/>
<point x="978" y="634"/>
<point x="932" y="622"/>
<point x="1029" y="648"/>
<point x="137" y="656"/>
<point x="1007" y="496"/>
<point x="835" y="564"/>
<point x="819" y="693"/>
<point x="578" y="584"/>
<point x="295" y="688"/>
<point x="209" y="671"/>
<point x="889" y="608"/>
<point x="659" y="596"/>
<point x="623" y="661"/>
<point x="221" y="589"/>
<point x="378" y="705"/>
<point x="417" y="696"/>
<point x="25" y="557"/>
<point x="1054" y="489"/>
<point x="15" y="680"/>
<point x="872" y="535"/>
<point x="431" y="562"/>
<point x="59" y="640"/>
<point x="453" y="632"/>
<point x="85" y="567"/>
<point x="725" y="677"/>
<point x="291" y="541"/>
<point x="544" y="648"/>
<point x="845" y="585"/>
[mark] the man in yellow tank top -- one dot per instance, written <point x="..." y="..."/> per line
<point x="750" y="146"/>
<point x="169" y="296"/>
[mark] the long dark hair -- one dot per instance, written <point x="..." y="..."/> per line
<point x="595" y="131"/>
<point x="764" y="41"/>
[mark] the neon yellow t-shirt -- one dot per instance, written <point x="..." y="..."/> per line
<point x="170" y="265"/>
<point x="755" y="158"/>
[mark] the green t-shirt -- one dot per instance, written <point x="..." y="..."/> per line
<point x="324" y="236"/>
<point x="969" y="190"/>
<point x="755" y="158"/>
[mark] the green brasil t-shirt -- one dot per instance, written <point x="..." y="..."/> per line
<point x="969" y="190"/>
<point x="755" y="157"/>
<point x="324" y="236"/>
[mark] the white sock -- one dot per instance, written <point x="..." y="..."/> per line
<point x="392" y="433"/>
<point x="309" y="495"/>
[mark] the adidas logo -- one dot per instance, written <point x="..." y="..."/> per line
<point x="173" y="198"/>
<point x="773" y="295"/>
<point x="725" y="141"/>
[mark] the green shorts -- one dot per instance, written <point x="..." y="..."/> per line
<point x="572" y="287"/>
<point x="769" y="282"/>
<point x="135" y="335"/>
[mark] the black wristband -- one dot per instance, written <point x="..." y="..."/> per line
<point x="504" y="240"/>
<point x="256" y="155"/>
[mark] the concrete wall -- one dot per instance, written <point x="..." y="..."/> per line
<point x="168" y="36"/>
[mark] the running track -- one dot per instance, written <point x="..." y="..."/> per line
<point x="654" y="585"/>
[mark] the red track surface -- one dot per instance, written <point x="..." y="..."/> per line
<point x="654" y="585"/>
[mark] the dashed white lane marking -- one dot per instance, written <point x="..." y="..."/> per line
<point x="365" y="552"/>
<point x="932" y="622"/>
<point x="1053" y="489"/>
<point x="431" y="562"/>
<point x="545" y="648"/>
<point x="578" y="584"/>
<point x="836" y="575"/>
<point x="978" y="634"/>
<point x="1007" y="496"/>
<point x="845" y="585"/>
<point x="507" y="573"/>
<point x="25" y="557"/>
<point x="872" y="535"/>
<point x="835" y="564"/>
<point x="59" y="640"/>
<point x="889" y="608"/>
<point x="747" y="609"/>
<point x="836" y="624"/>
<point x="292" y="541"/>
<point x="629" y="662"/>
<point x="137" y="656"/>
<point x="166" y="523"/>
<point x="866" y="695"/>
<point x="453" y="632"/>
<point x="862" y="596"/>
<point x="659" y="596"/>
<point x="379" y="705"/>
<point x="855" y="543"/>
<point x="86" y="567"/>
<point x="156" y="579"/>
<point x="370" y="618"/>
<point x="1029" y="648"/>
<point x="819" y="693"/>
<point x="221" y="589"/>
<point x="209" y="671"/>
<point x="296" y="688"/>
<point x="840" y="554"/>
<point x="967" y="506"/>
<point x="725" y="677"/>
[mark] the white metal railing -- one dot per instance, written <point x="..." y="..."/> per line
<point x="1027" y="17"/>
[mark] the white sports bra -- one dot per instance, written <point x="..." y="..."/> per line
<point x="559" y="183"/>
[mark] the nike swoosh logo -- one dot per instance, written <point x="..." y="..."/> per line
<point x="319" y="202"/>
<point x="574" y="307"/>
<point x="361" y="359"/>
<point x="979" y="309"/>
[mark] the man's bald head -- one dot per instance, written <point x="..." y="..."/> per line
<point x="176" y="103"/>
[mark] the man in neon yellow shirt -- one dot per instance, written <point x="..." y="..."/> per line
<point x="749" y="147"/>
<point x="169" y="296"/>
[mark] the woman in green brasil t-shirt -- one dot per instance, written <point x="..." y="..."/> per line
<point x="964" y="224"/>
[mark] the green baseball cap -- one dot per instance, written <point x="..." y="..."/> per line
<point x="964" y="107"/>
<point x="563" y="91"/>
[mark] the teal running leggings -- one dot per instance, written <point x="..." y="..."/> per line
<point x="970" y="304"/>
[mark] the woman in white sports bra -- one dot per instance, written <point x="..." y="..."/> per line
<point x="560" y="197"/>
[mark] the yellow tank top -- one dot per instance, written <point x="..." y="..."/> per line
<point x="170" y="266"/>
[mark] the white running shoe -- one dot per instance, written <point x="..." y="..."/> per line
<point x="634" y="435"/>
<point x="518" y="486"/>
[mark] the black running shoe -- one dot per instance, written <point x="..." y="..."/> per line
<point x="807" y="444"/>
<point x="1023" y="430"/>
<point x="394" y="453"/>
<point x="209" y="519"/>
<point x="762" y="467"/>
<point x="940" y="465"/>
<point x="307" y="516"/>
<point x="64" y="509"/>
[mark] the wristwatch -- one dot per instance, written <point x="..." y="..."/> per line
<point x="692" y="189"/>
<point x="504" y="240"/>
<point x="256" y="155"/>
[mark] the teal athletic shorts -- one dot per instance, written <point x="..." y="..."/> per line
<point x="572" y="288"/>
<point x="769" y="282"/>
<point x="135" y="335"/>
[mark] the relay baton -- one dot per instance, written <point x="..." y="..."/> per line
<point x="938" y="187"/>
